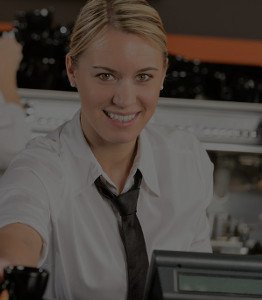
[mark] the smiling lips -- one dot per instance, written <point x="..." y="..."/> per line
<point x="121" y="118"/>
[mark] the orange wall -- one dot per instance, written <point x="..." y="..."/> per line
<point x="217" y="50"/>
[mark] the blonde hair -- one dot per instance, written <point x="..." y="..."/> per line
<point x="130" y="16"/>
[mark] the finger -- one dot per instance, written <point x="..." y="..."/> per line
<point x="3" y="263"/>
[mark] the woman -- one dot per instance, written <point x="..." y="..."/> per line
<point x="51" y="208"/>
<point x="14" y="132"/>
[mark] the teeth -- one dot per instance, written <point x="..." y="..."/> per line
<point x="120" y="117"/>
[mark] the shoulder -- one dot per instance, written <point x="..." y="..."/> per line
<point x="52" y="157"/>
<point x="182" y="160"/>
<point x="41" y="156"/>
<point x="53" y="144"/>
<point x="173" y="148"/>
<point x="164" y="136"/>
<point x="48" y="144"/>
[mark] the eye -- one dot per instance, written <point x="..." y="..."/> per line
<point x="144" y="77"/>
<point x="106" y="76"/>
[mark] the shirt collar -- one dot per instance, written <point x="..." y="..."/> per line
<point x="81" y="149"/>
<point x="144" y="160"/>
<point x="146" y="164"/>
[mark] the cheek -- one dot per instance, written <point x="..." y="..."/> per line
<point x="94" y="98"/>
<point x="150" y="97"/>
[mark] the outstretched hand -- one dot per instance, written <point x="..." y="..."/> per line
<point x="4" y="295"/>
<point x="10" y="55"/>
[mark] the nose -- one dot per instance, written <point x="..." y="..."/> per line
<point x="125" y="94"/>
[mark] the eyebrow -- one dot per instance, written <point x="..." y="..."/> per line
<point x="114" y="71"/>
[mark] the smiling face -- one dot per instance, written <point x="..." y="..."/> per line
<point x="118" y="78"/>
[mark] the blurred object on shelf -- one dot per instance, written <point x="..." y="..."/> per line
<point x="229" y="247"/>
<point x="185" y="79"/>
<point x="230" y="236"/>
<point x="201" y="80"/>
<point x="44" y="50"/>
<point x="256" y="249"/>
<point x="222" y="177"/>
<point x="237" y="243"/>
<point x="237" y="172"/>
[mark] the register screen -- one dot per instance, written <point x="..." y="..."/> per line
<point x="219" y="284"/>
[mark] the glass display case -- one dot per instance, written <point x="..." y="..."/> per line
<point x="236" y="211"/>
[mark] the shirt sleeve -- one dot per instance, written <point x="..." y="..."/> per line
<point x="14" y="132"/>
<point x="201" y="242"/>
<point x="24" y="199"/>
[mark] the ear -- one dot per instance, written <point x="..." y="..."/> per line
<point x="163" y="81"/>
<point x="164" y="72"/>
<point x="70" y="69"/>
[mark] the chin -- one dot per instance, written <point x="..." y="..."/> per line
<point x="122" y="139"/>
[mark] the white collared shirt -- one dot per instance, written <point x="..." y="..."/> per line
<point x="50" y="186"/>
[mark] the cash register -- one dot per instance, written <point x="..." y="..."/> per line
<point x="177" y="275"/>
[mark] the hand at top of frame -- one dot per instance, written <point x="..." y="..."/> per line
<point x="4" y="295"/>
<point x="10" y="58"/>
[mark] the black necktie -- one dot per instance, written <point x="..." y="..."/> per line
<point x="131" y="234"/>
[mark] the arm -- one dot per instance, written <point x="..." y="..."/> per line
<point x="20" y="244"/>
<point x="10" y="58"/>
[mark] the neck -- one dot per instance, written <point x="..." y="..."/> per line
<point x="115" y="157"/>
<point x="116" y="160"/>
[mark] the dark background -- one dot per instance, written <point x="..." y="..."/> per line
<point x="226" y="18"/>
<point x="44" y="47"/>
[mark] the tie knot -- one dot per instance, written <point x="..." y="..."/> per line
<point x="125" y="203"/>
